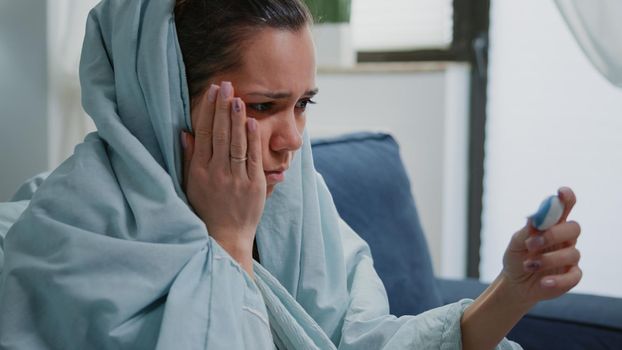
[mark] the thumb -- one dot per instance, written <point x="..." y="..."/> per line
<point x="568" y="198"/>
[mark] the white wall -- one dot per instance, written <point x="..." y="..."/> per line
<point x="68" y="123"/>
<point x="41" y="119"/>
<point x="426" y="111"/>
<point x="23" y="92"/>
<point x="552" y="121"/>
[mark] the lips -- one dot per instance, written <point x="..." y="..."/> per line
<point x="275" y="176"/>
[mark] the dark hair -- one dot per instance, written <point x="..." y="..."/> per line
<point x="211" y="33"/>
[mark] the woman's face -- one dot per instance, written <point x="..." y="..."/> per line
<point x="276" y="81"/>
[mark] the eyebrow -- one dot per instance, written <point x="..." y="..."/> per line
<point x="280" y="95"/>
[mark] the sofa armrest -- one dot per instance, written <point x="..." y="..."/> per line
<point x="454" y="290"/>
<point x="572" y="321"/>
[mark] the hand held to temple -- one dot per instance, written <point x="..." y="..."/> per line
<point x="223" y="173"/>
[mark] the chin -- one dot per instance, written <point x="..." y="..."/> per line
<point x="269" y="190"/>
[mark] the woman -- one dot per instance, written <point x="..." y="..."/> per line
<point x="121" y="248"/>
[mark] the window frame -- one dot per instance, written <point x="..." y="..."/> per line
<point x="459" y="49"/>
<point x="469" y="44"/>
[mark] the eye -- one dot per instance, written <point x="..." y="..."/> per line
<point x="261" y="107"/>
<point x="302" y="104"/>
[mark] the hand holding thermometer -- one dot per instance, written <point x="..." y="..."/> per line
<point x="548" y="214"/>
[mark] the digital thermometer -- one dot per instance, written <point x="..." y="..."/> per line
<point x="548" y="214"/>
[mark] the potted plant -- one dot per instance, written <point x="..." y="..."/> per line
<point x="332" y="32"/>
<point x="330" y="11"/>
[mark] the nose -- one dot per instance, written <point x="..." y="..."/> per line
<point x="286" y="135"/>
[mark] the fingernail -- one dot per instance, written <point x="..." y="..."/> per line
<point x="534" y="243"/>
<point x="532" y="265"/>
<point x="251" y="124"/>
<point x="237" y="105"/>
<point x="226" y="89"/>
<point x="549" y="282"/>
<point x="211" y="94"/>
<point x="184" y="140"/>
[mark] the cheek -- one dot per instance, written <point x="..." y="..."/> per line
<point x="301" y="122"/>
<point x="269" y="190"/>
<point x="266" y="133"/>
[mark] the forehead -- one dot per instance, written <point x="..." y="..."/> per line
<point x="277" y="59"/>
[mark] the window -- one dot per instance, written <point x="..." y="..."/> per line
<point x="402" y="25"/>
<point x="436" y="30"/>
<point x="419" y="30"/>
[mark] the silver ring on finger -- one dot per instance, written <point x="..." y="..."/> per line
<point x="238" y="160"/>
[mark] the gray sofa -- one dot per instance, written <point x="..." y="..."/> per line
<point x="372" y="193"/>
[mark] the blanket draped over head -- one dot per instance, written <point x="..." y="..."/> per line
<point x="108" y="254"/>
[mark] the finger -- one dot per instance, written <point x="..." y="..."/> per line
<point x="568" y="198"/>
<point x="203" y="116"/>
<point x="553" y="260"/>
<point x="254" y="164"/>
<point x="560" y="233"/>
<point x="222" y="127"/>
<point x="565" y="281"/>
<point x="238" y="146"/>
<point x="188" y="146"/>
<point x="517" y="243"/>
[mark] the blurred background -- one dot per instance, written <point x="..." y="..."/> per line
<point x="495" y="103"/>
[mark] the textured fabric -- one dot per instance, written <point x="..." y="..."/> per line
<point x="28" y="189"/>
<point x="547" y="333"/>
<point x="108" y="255"/>
<point x="9" y="213"/>
<point x="371" y="178"/>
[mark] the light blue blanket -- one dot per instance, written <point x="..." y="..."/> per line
<point x="108" y="255"/>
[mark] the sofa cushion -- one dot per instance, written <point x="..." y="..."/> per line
<point x="570" y="322"/>
<point x="371" y="190"/>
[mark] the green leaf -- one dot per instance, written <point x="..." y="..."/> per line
<point x="330" y="11"/>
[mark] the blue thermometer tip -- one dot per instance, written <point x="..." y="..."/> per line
<point x="548" y="214"/>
